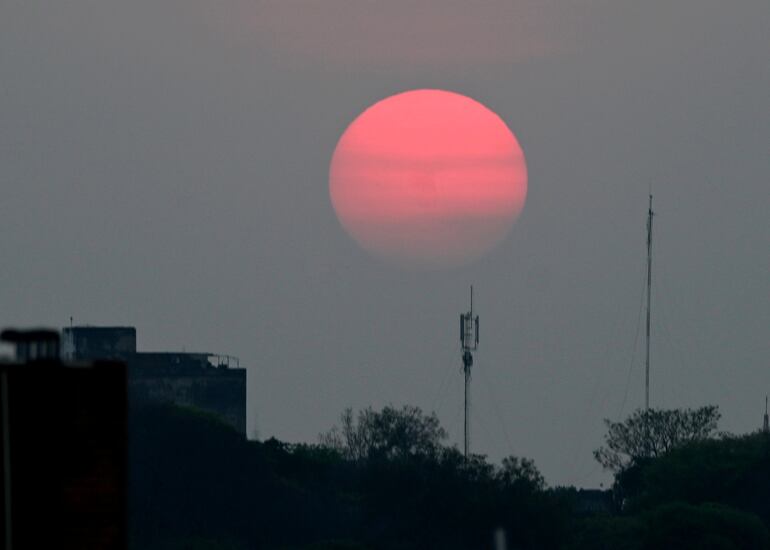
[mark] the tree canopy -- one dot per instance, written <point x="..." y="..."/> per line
<point x="390" y="434"/>
<point x="390" y="482"/>
<point x="654" y="432"/>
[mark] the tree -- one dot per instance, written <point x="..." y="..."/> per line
<point x="390" y="434"/>
<point x="653" y="432"/>
<point x="733" y="471"/>
<point x="709" y="525"/>
<point x="520" y="472"/>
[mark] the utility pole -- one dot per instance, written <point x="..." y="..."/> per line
<point x="649" y="301"/>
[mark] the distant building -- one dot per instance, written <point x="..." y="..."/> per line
<point x="83" y="343"/>
<point x="205" y="381"/>
<point x="63" y="440"/>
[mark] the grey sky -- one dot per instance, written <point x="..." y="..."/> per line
<point x="164" y="164"/>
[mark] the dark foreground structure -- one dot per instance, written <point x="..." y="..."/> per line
<point x="63" y="448"/>
<point x="203" y="381"/>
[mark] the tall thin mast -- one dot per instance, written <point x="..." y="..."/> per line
<point x="466" y="431"/>
<point x="467" y="371"/>
<point x="469" y="338"/>
<point x="649" y="301"/>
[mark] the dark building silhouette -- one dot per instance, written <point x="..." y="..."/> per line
<point x="63" y="447"/>
<point x="204" y="381"/>
<point x="98" y="342"/>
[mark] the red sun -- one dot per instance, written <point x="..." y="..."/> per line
<point x="428" y="178"/>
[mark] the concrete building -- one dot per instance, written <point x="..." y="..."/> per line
<point x="84" y="343"/>
<point x="206" y="381"/>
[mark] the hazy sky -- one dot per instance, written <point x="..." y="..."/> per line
<point x="165" y="163"/>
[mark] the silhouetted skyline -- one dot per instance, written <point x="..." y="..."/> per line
<point x="165" y="165"/>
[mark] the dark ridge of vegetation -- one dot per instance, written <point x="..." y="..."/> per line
<point x="386" y="480"/>
<point x="732" y="470"/>
<point x="674" y="525"/>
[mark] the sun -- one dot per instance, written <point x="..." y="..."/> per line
<point x="428" y="178"/>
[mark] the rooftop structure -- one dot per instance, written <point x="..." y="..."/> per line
<point x="97" y="342"/>
<point x="210" y="382"/>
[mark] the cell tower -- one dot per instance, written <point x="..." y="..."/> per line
<point x="469" y="339"/>
<point x="766" y="423"/>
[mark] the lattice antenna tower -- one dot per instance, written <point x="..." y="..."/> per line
<point x="469" y="339"/>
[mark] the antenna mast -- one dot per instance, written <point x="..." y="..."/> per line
<point x="649" y="299"/>
<point x="469" y="338"/>
<point x="766" y="423"/>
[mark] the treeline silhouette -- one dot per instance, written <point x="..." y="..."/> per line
<point x="386" y="480"/>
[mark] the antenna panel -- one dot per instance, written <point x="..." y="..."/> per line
<point x="469" y="331"/>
